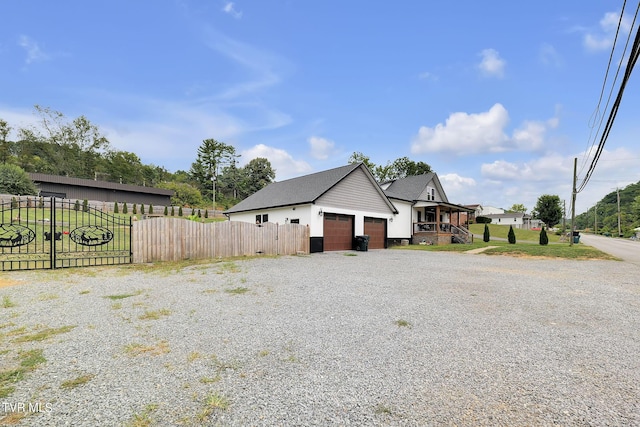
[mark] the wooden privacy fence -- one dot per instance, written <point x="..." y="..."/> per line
<point x="173" y="239"/>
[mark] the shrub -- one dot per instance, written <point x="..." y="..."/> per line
<point x="166" y="211"/>
<point x="115" y="208"/>
<point x="180" y="211"/>
<point x="135" y="209"/>
<point x="85" y="205"/>
<point x="483" y="220"/>
<point x="41" y="202"/>
<point x="76" y="207"/>
<point x="14" y="202"/>
<point x="544" y="239"/>
<point x="173" y="211"/>
<point x="124" y="208"/>
<point x="512" y="235"/>
<point x="150" y="209"/>
<point x="199" y="214"/>
<point x="486" y="237"/>
<point x="206" y="213"/>
<point x="142" y="209"/>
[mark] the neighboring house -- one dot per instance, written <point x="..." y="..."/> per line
<point x="337" y="205"/>
<point x="80" y="189"/>
<point x="516" y="219"/>
<point x="424" y="212"/>
<point x="466" y="218"/>
<point x="342" y="203"/>
<point x="489" y="210"/>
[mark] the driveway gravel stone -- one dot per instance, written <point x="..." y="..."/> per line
<point x="384" y="337"/>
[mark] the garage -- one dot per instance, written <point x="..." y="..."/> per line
<point x="338" y="232"/>
<point x="376" y="229"/>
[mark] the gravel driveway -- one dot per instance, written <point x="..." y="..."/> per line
<point x="387" y="337"/>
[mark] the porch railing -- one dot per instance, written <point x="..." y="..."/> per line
<point x="460" y="234"/>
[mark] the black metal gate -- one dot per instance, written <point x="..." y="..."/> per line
<point x="47" y="233"/>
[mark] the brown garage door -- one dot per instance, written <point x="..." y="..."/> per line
<point x="376" y="229"/>
<point x="338" y="232"/>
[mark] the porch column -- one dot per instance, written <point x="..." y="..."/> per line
<point x="438" y="219"/>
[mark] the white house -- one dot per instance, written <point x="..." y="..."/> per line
<point x="342" y="203"/>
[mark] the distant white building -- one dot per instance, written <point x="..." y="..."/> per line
<point x="489" y="210"/>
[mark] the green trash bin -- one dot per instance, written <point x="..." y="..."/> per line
<point x="576" y="237"/>
<point x="362" y="243"/>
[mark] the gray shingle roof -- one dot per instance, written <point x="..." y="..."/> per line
<point x="409" y="188"/>
<point x="81" y="182"/>
<point x="295" y="191"/>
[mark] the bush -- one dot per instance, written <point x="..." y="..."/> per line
<point x="150" y="209"/>
<point x="142" y="209"/>
<point x="115" y="208"/>
<point x="41" y="202"/>
<point x="85" y="205"/>
<point x="76" y="206"/>
<point x="166" y="211"/>
<point x="180" y="211"/>
<point x="173" y="211"/>
<point x="14" y="202"/>
<point x="206" y="213"/>
<point x="199" y="214"/>
<point x="135" y="209"/>
<point x="486" y="237"/>
<point x="512" y="235"/>
<point x="544" y="239"/>
<point x="483" y="220"/>
<point x="124" y="208"/>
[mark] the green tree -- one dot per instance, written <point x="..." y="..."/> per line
<point x="180" y="211"/>
<point x="166" y="211"/>
<point x="206" y="213"/>
<point x="358" y="157"/>
<point x="14" y="180"/>
<point x="257" y="174"/>
<point x="125" y="210"/>
<point x="511" y="236"/>
<point x="115" y="208"/>
<point x="212" y="155"/>
<point x="5" y="150"/>
<point x="486" y="236"/>
<point x="134" y="209"/>
<point x="548" y="209"/>
<point x="544" y="239"/>
<point x="173" y="212"/>
<point x="141" y="208"/>
<point x="518" y="207"/>
<point x="76" y="206"/>
<point x="85" y="205"/>
<point x="150" y="209"/>
<point x="183" y="193"/>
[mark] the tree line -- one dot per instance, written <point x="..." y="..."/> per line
<point x="76" y="148"/>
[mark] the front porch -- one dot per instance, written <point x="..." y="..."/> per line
<point x="433" y="233"/>
<point x="439" y="225"/>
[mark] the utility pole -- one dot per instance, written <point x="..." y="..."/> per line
<point x="573" y="199"/>
<point x="595" y="219"/>
<point x="619" y="230"/>
<point x="564" y="216"/>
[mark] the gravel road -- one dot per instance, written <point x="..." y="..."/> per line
<point x="386" y="337"/>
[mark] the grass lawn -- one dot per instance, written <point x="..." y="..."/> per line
<point x="528" y="245"/>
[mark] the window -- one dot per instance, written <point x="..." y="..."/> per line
<point x="258" y="219"/>
<point x="265" y="218"/>
<point x="433" y="194"/>
<point x="295" y="221"/>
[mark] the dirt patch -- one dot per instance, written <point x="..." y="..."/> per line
<point x="4" y="283"/>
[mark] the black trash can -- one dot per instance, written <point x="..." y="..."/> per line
<point x="362" y="243"/>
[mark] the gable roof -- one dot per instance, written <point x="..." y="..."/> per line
<point x="411" y="187"/>
<point x="302" y="190"/>
<point x="90" y="183"/>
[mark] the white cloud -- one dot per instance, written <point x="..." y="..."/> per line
<point x="602" y="39"/>
<point x="492" y="65"/>
<point x="34" y="52"/>
<point x="282" y="162"/>
<point x="231" y="10"/>
<point x="465" y="134"/>
<point x="427" y="76"/>
<point x="457" y="187"/>
<point x="321" y="148"/>
<point x="548" y="55"/>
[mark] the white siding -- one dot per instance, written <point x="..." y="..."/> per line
<point x="401" y="226"/>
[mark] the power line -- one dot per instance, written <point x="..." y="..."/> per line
<point x="633" y="58"/>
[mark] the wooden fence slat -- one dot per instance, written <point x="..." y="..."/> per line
<point x="174" y="239"/>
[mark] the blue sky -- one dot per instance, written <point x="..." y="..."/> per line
<point x="498" y="97"/>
